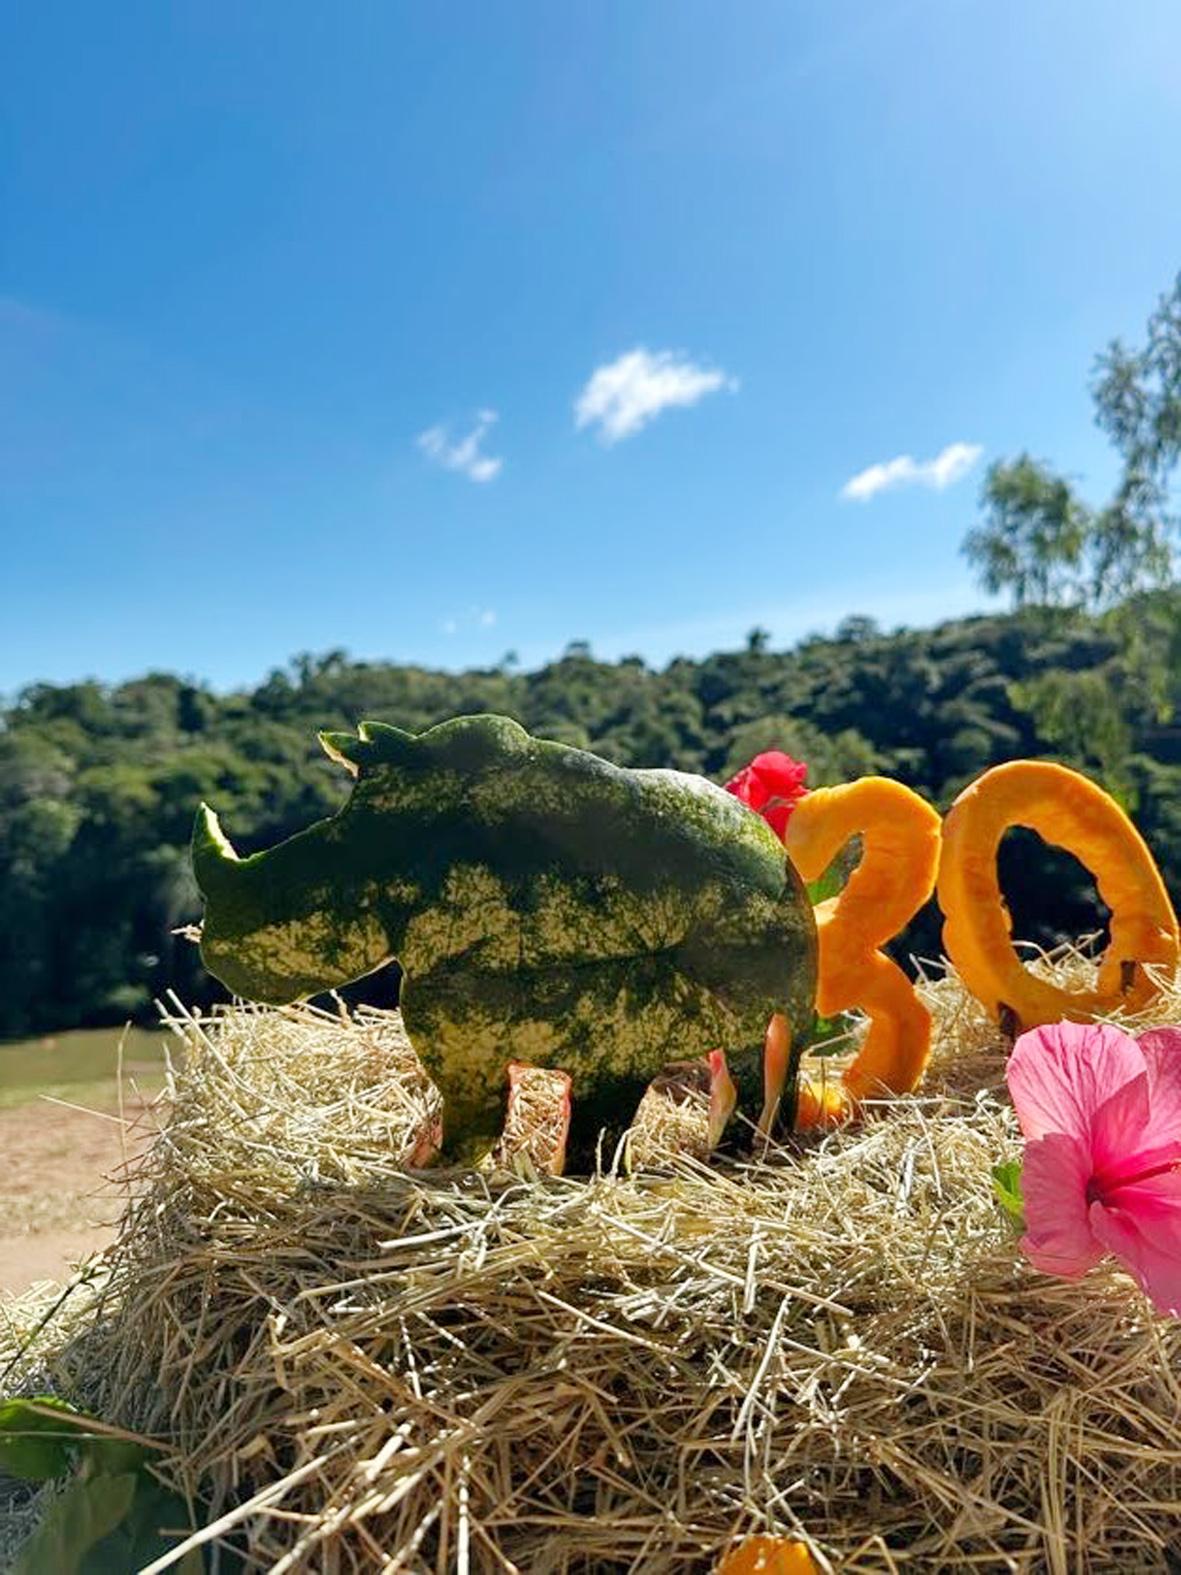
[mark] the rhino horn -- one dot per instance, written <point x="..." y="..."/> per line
<point x="215" y="864"/>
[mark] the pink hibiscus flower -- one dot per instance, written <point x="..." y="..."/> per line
<point x="1101" y="1114"/>
<point x="771" y="785"/>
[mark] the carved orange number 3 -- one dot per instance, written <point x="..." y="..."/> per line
<point x="895" y="877"/>
<point x="1069" y="810"/>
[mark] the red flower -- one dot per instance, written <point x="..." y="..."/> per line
<point x="772" y="785"/>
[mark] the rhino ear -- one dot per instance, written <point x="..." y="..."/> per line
<point x="388" y="745"/>
<point x="346" y="749"/>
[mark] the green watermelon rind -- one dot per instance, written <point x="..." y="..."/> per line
<point x="545" y="906"/>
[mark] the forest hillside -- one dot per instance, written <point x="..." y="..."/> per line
<point x="98" y="784"/>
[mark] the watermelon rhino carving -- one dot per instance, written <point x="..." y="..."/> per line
<point x="545" y="906"/>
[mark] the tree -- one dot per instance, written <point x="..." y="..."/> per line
<point x="1137" y="396"/>
<point x="1033" y="537"/>
<point x="857" y="627"/>
<point x="757" y="640"/>
<point x="1043" y="544"/>
<point x="836" y="758"/>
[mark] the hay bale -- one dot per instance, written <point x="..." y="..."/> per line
<point x="361" y="1366"/>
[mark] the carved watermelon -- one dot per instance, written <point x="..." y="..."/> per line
<point x="545" y="907"/>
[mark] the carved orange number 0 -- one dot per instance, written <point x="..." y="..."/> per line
<point x="1071" y="811"/>
<point x="895" y="877"/>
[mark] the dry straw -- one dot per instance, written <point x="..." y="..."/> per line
<point x="357" y="1366"/>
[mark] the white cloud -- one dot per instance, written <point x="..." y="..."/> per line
<point x="463" y="455"/>
<point x="948" y="466"/>
<point x="624" y="395"/>
<point x="475" y="617"/>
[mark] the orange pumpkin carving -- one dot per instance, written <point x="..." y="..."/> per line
<point x="769" y="1556"/>
<point x="895" y="877"/>
<point x="1073" y="812"/>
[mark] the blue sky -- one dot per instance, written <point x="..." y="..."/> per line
<point x="433" y="332"/>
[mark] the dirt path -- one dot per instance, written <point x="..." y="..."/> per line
<point x="58" y="1202"/>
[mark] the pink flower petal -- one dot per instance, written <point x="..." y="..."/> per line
<point x="1161" y="1049"/>
<point x="1054" y="1177"/>
<point x="1118" y="1128"/>
<point x="1143" y="1230"/>
<point x="1059" y="1075"/>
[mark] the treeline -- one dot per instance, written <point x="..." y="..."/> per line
<point x="98" y="785"/>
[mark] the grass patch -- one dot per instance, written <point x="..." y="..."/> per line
<point x="80" y="1066"/>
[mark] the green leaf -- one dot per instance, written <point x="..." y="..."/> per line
<point x="828" y="885"/>
<point x="35" y="1447"/>
<point x="113" y="1456"/>
<point x="74" y="1523"/>
<point x="1006" y="1183"/>
<point x="108" y="1525"/>
<point x="832" y="1035"/>
<point x="154" y="1522"/>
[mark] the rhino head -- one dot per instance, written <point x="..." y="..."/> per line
<point x="273" y="931"/>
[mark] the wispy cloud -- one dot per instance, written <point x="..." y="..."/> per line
<point x="480" y="617"/>
<point x="464" y="455"/>
<point x="22" y="315"/>
<point x="949" y="465"/>
<point x="623" y="395"/>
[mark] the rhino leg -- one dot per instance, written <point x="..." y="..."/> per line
<point x="745" y="1068"/>
<point x="778" y="1075"/>
<point x="468" y="1063"/>
<point x="601" y="1118"/>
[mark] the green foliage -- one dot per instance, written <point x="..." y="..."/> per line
<point x="1041" y="543"/>
<point x="830" y="759"/>
<point x="1033" y="537"/>
<point x="74" y="1525"/>
<point x="1137" y="397"/>
<point x="111" y="1517"/>
<point x="1006" y="1184"/>
<point x="107" y="1523"/>
<point x="1081" y="716"/>
<point x="33" y="1446"/>
<point x="98" y="785"/>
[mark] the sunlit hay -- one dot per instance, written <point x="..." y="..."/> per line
<point x="302" y="1097"/>
<point x="673" y="1118"/>
<point x="533" y="1141"/>
<point x="357" y="1366"/>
